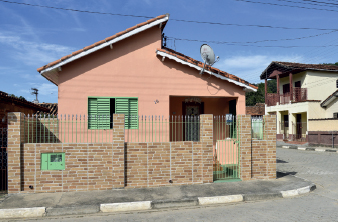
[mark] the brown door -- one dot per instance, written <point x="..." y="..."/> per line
<point x="297" y="91"/>
<point x="298" y="126"/>
<point x="191" y="113"/>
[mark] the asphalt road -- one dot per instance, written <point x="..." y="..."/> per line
<point x="320" y="205"/>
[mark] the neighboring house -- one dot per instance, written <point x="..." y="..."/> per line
<point x="12" y="104"/>
<point x="256" y="110"/>
<point x="304" y="92"/>
<point x="132" y="73"/>
<point x="53" y="108"/>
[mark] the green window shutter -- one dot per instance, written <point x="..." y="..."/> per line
<point x="122" y="107"/>
<point x="103" y="112"/>
<point x="128" y="107"/>
<point x="92" y="113"/>
<point x="44" y="161"/>
<point x="133" y="113"/>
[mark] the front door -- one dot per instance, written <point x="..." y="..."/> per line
<point x="298" y="126"/>
<point x="191" y="113"/>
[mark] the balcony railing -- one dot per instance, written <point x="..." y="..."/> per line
<point x="297" y="95"/>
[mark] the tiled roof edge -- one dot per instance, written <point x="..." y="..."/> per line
<point x="329" y="97"/>
<point x="101" y="42"/>
<point x="22" y="102"/>
<point x="207" y="67"/>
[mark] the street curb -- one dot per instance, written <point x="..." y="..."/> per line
<point x="309" y="149"/>
<point x="148" y="205"/>
<point x="23" y="212"/>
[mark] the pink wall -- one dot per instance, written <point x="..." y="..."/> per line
<point x="132" y="69"/>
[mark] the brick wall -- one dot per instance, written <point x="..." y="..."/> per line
<point x="102" y="166"/>
<point x="258" y="157"/>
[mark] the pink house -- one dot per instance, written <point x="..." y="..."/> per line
<point x="132" y="72"/>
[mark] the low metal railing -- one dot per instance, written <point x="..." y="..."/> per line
<point x="99" y="129"/>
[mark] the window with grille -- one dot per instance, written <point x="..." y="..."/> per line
<point x="101" y="110"/>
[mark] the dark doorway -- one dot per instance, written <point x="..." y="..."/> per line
<point x="298" y="126"/>
<point x="191" y="126"/>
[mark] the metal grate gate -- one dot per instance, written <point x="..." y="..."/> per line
<point x="3" y="161"/>
<point x="226" y="166"/>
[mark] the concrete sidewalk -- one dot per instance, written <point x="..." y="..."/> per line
<point x="71" y="203"/>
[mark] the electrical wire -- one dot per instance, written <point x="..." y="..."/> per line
<point x="172" y="19"/>
<point x="291" y="6"/>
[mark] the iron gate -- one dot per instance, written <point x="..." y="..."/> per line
<point x="226" y="164"/>
<point x="3" y="161"/>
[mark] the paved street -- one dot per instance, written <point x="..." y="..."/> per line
<point x="320" y="205"/>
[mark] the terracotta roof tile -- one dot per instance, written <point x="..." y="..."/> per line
<point x="100" y="42"/>
<point x="200" y="64"/>
<point x="5" y="97"/>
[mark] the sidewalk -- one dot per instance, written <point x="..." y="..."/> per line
<point x="71" y="203"/>
<point x="305" y="147"/>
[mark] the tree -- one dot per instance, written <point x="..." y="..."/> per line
<point x="14" y="96"/>
<point x="251" y="98"/>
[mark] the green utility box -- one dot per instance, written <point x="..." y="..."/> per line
<point x="52" y="161"/>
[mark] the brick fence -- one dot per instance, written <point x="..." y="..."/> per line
<point x="104" y="166"/>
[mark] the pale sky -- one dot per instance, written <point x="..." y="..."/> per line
<point x="31" y="36"/>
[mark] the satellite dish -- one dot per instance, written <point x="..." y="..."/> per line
<point x="208" y="56"/>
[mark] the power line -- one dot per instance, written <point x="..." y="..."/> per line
<point x="291" y="6"/>
<point x="172" y="19"/>
<point x="259" y="41"/>
<point x="260" y="46"/>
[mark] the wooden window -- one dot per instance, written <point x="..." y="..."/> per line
<point x="286" y="88"/>
<point x="337" y="83"/>
<point x="286" y="120"/>
<point x="52" y="161"/>
<point x="335" y="115"/>
<point x="101" y="110"/>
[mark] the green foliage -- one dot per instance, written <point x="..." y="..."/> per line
<point x="251" y="98"/>
<point x="334" y="64"/>
<point x="20" y="97"/>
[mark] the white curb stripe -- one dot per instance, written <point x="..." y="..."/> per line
<point x="220" y="199"/>
<point x="289" y="193"/>
<point x="116" y="207"/>
<point x="320" y="150"/>
<point x="304" y="190"/>
<point x="302" y="148"/>
<point x="22" y="212"/>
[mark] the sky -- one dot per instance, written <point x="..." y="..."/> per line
<point x="249" y="34"/>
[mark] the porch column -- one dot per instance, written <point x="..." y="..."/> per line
<point x="290" y="80"/>
<point x="266" y="90"/>
<point x="278" y="92"/>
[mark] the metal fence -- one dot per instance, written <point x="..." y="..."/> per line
<point x="3" y="161"/>
<point x="226" y="148"/>
<point x="99" y="129"/>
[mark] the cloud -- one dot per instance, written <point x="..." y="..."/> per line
<point x="31" y="52"/>
<point x="249" y="67"/>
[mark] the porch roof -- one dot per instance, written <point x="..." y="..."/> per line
<point x="329" y="99"/>
<point x="284" y="68"/>
<point x="186" y="60"/>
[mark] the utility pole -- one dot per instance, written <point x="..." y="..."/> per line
<point x="35" y="92"/>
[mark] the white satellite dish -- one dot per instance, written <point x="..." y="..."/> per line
<point x="208" y="56"/>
